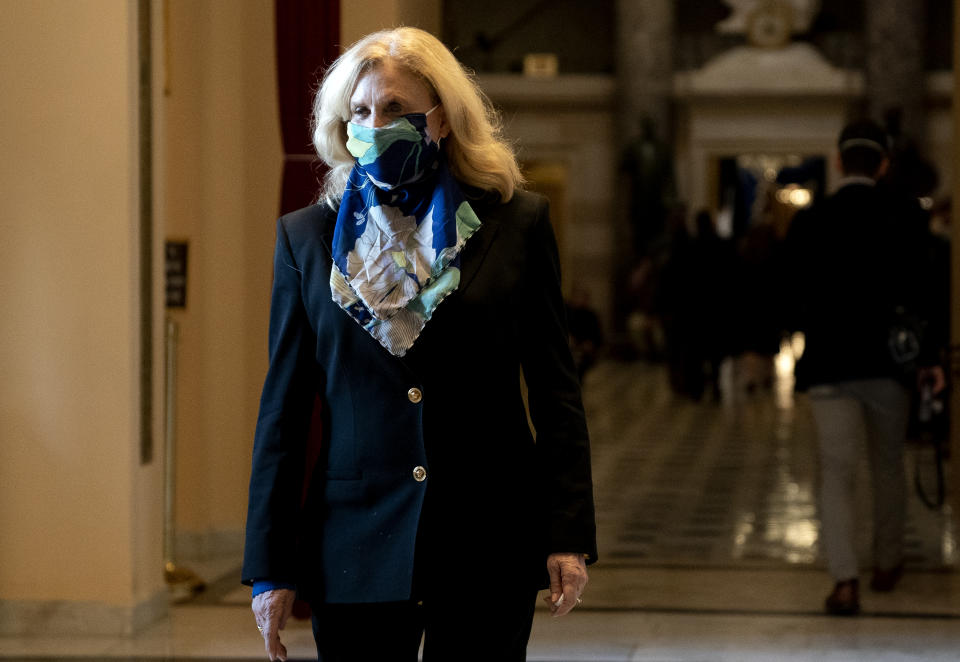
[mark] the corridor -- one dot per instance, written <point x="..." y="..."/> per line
<point x="709" y="552"/>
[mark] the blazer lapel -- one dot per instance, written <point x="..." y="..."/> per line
<point x="478" y="246"/>
<point x="326" y="232"/>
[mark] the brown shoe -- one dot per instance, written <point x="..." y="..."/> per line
<point x="845" y="599"/>
<point x="886" y="580"/>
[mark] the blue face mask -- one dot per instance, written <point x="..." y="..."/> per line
<point x="396" y="154"/>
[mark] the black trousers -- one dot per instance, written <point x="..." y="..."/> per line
<point x="469" y="627"/>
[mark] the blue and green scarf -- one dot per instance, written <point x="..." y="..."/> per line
<point x="402" y="223"/>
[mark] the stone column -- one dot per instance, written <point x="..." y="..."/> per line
<point x="643" y="119"/>
<point x="954" y="361"/>
<point x="645" y="62"/>
<point x="894" y="61"/>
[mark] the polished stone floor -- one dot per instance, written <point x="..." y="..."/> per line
<point x="724" y="485"/>
<point x="708" y="527"/>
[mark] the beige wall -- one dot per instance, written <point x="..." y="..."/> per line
<point x="81" y="519"/>
<point x="222" y="170"/>
<point x="360" y="18"/>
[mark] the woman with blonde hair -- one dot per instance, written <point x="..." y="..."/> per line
<point x="409" y="299"/>
<point x="477" y="155"/>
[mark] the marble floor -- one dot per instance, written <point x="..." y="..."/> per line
<point x="708" y="527"/>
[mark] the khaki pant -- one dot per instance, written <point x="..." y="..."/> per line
<point x="851" y="416"/>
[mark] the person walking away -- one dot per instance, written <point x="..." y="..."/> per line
<point x="855" y="273"/>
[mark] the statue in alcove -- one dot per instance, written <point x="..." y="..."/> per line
<point x="769" y="23"/>
<point x="648" y="195"/>
<point x="647" y="164"/>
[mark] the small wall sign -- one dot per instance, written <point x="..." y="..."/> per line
<point x="176" y="272"/>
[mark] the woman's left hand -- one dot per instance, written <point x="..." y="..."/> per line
<point x="568" y="577"/>
<point x="271" y="610"/>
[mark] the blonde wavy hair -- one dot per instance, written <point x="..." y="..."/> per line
<point x="476" y="150"/>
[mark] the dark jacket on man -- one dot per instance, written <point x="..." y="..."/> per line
<point x="853" y="260"/>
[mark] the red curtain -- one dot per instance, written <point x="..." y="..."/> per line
<point x="308" y="38"/>
<point x="308" y="35"/>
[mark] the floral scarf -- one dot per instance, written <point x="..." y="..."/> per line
<point x="402" y="223"/>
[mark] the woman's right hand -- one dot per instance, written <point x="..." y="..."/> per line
<point x="272" y="609"/>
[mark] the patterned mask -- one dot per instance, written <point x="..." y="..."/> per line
<point x="394" y="155"/>
<point x="401" y="226"/>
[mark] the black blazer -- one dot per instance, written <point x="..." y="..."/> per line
<point x="851" y="260"/>
<point x="489" y="488"/>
